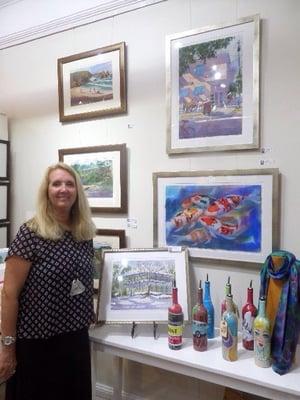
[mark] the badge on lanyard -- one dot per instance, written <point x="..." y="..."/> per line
<point x="77" y="287"/>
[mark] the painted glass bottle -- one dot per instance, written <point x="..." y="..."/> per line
<point x="199" y="323"/>
<point x="262" y="336"/>
<point x="249" y="312"/>
<point x="175" y="321"/>
<point x="210" y="310"/>
<point x="228" y="292"/>
<point x="229" y="331"/>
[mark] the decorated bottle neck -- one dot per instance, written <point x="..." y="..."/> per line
<point x="175" y="295"/>
<point x="229" y="303"/>
<point x="262" y="308"/>
<point x="207" y="290"/>
<point x="250" y="295"/>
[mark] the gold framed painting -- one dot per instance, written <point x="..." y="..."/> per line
<point x="92" y="84"/>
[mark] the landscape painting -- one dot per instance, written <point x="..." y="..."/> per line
<point x="92" y="84"/>
<point x="219" y="215"/>
<point x="142" y="284"/>
<point x="136" y="284"/>
<point x="103" y="173"/>
<point x="212" y="88"/>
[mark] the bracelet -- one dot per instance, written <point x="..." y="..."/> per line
<point x="8" y="340"/>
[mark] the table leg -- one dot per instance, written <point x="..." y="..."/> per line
<point x="117" y="378"/>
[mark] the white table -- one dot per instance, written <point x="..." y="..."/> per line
<point x="242" y="374"/>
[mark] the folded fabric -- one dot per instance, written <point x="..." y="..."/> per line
<point x="287" y="322"/>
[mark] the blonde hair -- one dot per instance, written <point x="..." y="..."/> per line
<point x="44" y="222"/>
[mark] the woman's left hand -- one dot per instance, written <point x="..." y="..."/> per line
<point x="7" y="361"/>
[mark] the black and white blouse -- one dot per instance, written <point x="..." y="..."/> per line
<point x="46" y="307"/>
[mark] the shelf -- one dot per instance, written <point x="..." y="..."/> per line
<point x="242" y="374"/>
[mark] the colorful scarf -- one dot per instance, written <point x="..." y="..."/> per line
<point x="287" y="322"/>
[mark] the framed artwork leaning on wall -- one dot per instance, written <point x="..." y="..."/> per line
<point x="103" y="172"/>
<point x="136" y="284"/>
<point x="213" y="88"/>
<point x="92" y="84"/>
<point x="219" y="215"/>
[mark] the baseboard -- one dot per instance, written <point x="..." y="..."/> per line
<point x="105" y="392"/>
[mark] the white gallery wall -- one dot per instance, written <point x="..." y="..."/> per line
<point x="28" y="95"/>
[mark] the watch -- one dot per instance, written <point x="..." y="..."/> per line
<point x="8" y="340"/>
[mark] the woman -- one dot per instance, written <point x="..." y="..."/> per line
<point x="47" y="297"/>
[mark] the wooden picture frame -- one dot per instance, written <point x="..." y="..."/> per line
<point x="213" y="88"/>
<point x="103" y="171"/>
<point x="230" y="215"/>
<point x="136" y="285"/>
<point x="92" y="84"/>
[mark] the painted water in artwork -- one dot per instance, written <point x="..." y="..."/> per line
<point x="142" y="284"/>
<point x="210" y="88"/>
<point x="223" y="217"/>
<point x="91" y="84"/>
<point x="96" y="176"/>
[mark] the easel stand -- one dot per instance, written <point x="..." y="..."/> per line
<point x="155" y="330"/>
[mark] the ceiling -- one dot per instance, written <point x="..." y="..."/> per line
<point x="25" y="20"/>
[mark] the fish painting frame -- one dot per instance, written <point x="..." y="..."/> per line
<point x="103" y="173"/>
<point x="223" y="216"/>
<point x="92" y="84"/>
<point x="136" y="285"/>
<point x="212" y="88"/>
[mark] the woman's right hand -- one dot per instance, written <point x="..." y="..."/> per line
<point x="7" y="361"/>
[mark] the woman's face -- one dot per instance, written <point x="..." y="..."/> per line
<point x="62" y="190"/>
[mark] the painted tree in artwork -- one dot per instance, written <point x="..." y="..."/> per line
<point x="142" y="277"/>
<point x="201" y="51"/>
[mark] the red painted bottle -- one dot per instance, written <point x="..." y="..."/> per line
<point x="175" y="321"/>
<point x="199" y="323"/>
<point x="249" y="312"/>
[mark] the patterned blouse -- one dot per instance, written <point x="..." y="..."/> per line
<point x="46" y="307"/>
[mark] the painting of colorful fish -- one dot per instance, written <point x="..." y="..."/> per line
<point x="230" y="215"/>
<point x="226" y="217"/>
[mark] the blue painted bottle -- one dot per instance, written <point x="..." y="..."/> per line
<point x="210" y="310"/>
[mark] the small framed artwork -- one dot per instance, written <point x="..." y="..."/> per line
<point x="103" y="172"/>
<point x="92" y="84"/>
<point x="219" y="215"/>
<point x="105" y="239"/>
<point x="136" y="285"/>
<point x="4" y="190"/>
<point x="114" y="238"/>
<point x="213" y="88"/>
<point x="4" y="151"/>
<point x="4" y="234"/>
